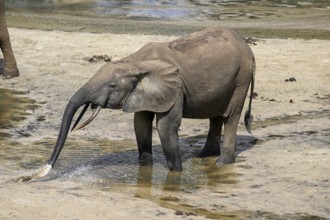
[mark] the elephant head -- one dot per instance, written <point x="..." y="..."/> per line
<point x="152" y="85"/>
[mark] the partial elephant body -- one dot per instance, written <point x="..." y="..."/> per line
<point x="212" y="64"/>
<point x="203" y="75"/>
<point x="10" y="67"/>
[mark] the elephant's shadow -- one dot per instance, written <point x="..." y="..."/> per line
<point x="123" y="166"/>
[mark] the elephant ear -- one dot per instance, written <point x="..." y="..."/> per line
<point x="157" y="89"/>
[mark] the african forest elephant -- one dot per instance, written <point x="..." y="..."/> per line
<point x="10" y="67"/>
<point x="202" y="75"/>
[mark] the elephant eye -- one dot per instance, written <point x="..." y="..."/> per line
<point x="113" y="85"/>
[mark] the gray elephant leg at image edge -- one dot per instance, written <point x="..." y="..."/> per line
<point x="10" y="66"/>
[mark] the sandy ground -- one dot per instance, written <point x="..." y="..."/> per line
<point x="285" y="174"/>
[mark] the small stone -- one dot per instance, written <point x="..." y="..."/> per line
<point x="251" y="40"/>
<point x="179" y="212"/>
<point x="41" y="118"/>
<point x="97" y="58"/>
<point x="107" y="58"/>
<point x="291" y="79"/>
<point x="92" y="59"/>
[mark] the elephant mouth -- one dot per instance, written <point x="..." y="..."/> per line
<point x="96" y="110"/>
<point x="112" y="106"/>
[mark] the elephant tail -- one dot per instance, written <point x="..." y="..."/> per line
<point x="248" y="118"/>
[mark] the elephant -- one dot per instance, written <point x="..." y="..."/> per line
<point x="204" y="75"/>
<point x="10" y="66"/>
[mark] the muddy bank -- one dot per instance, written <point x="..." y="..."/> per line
<point x="281" y="171"/>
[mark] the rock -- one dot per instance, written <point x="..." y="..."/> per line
<point x="292" y="79"/>
<point x="251" y="40"/>
<point x="106" y="58"/>
<point x="255" y="94"/>
<point x="97" y="58"/>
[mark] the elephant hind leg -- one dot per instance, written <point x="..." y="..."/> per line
<point x="212" y="145"/>
<point x="229" y="143"/>
<point x="231" y="119"/>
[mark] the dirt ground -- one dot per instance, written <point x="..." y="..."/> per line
<point x="285" y="174"/>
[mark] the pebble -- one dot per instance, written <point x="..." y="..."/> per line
<point x="292" y="79"/>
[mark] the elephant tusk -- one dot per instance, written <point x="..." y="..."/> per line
<point x="80" y="116"/>
<point x="95" y="113"/>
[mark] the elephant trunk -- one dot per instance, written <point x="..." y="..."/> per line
<point x="77" y="100"/>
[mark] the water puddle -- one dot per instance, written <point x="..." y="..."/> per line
<point x="110" y="165"/>
<point x="104" y="162"/>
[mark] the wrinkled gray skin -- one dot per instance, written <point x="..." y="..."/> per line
<point x="10" y="67"/>
<point x="203" y="75"/>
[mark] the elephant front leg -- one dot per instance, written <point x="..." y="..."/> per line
<point x="143" y="131"/>
<point x="212" y="145"/>
<point x="168" y="125"/>
<point x="168" y="133"/>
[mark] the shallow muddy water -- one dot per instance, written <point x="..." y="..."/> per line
<point x="105" y="160"/>
<point x="102" y="161"/>
<point x="109" y="165"/>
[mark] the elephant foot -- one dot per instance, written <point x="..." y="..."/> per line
<point x="227" y="156"/>
<point x="208" y="153"/>
<point x="145" y="159"/>
<point x="223" y="160"/>
<point x="10" y="73"/>
<point x="175" y="166"/>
